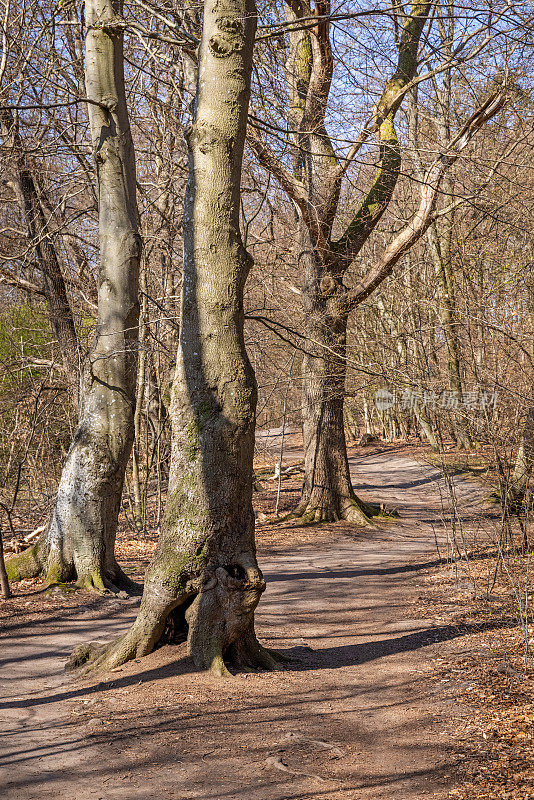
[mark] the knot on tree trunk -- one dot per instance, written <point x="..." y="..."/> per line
<point x="222" y="45"/>
<point x="229" y="40"/>
<point x="327" y="285"/>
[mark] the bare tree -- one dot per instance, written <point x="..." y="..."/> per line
<point x="205" y="571"/>
<point x="314" y="186"/>
<point x="81" y="537"/>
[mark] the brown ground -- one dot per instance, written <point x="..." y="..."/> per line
<point x="395" y="659"/>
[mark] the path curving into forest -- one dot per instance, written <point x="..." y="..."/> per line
<point x="356" y="716"/>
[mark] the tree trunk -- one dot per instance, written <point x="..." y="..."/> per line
<point x="524" y="460"/>
<point x="447" y="315"/>
<point x="327" y="493"/>
<point x="315" y="188"/>
<point x="80" y="540"/>
<point x="426" y="426"/>
<point x="440" y="238"/>
<point x="4" y="581"/>
<point x="204" y="582"/>
<point x="29" y="201"/>
<point x="525" y="455"/>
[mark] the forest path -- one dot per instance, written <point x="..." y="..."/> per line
<point x="357" y="716"/>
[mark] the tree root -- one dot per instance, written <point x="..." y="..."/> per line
<point x="96" y="582"/>
<point x="97" y="657"/>
<point x="36" y="562"/>
<point x="355" y="511"/>
<point x="108" y="583"/>
<point x="248" y="655"/>
<point x="27" y="564"/>
<point x="244" y="654"/>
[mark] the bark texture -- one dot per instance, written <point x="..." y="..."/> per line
<point x="204" y="582"/>
<point x="80" y="541"/>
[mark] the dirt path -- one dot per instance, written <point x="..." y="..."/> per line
<point x="357" y="716"/>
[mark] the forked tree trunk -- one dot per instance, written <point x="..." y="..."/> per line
<point x="327" y="490"/>
<point x="204" y="581"/>
<point x="80" y="541"/>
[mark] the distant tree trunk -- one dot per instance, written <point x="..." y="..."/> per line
<point x="327" y="493"/>
<point x="54" y="291"/>
<point x="422" y="418"/>
<point x="525" y="455"/>
<point x="441" y="252"/>
<point x="204" y="581"/>
<point x="80" y="541"/>
<point x="524" y="459"/>
<point x="4" y="580"/>
<point x="440" y="238"/>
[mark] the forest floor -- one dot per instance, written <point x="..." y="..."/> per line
<point x="406" y="682"/>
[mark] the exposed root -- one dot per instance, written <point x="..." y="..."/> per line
<point x="277" y="763"/>
<point x="377" y="510"/>
<point x="27" y="564"/>
<point x="219" y="668"/>
<point x="84" y="653"/>
<point x="36" y="561"/>
<point x="96" y="657"/>
<point x="247" y="654"/>
<point x="96" y="582"/>
<point x="351" y="510"/>
<point x="321" y="514"/>
<point x="126" y="584"/>
<point x="103" y="584"/>
<point x="218" y="621"/>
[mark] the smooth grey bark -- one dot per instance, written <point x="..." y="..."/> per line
<point x="80" y="540"/>
<point x="204" y="582"/>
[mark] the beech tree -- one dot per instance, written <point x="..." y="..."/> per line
<point x="204" y="574"/>
<point x="80" y="540"/>
<point x="314" y="185"/>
